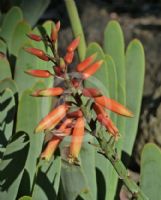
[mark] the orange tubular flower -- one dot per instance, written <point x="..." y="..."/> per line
<point x="113" y="105"/>
<point x="39" y="73"/>
<point x="51" y="147"/>
<point x="69" y="57"/>
<point x="73" y="45"/>
<point x="56" y="140"/>
<point x="91" y="92"/>
<point x="77" y="138"/>
<point x="52" y="119"/>
<point x="107" y="122"/>
<point x="85" y="63"/>
<point x="99" y="109"/>
<point x="37" y="52"/>
<point x="49" y="92"/>
<point x="34" y="37"/>
<point x="92" y="69"/>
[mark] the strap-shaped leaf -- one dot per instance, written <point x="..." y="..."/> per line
<point x="9" y="23"/>
<point x="35" y="7"/>
<point x="7" y="115"/>
<point x="27" y="119"/>
<point x="135" y="67"/>
<point x="19" y="37"/>
<point x="5" y="71"/>
<point x="3" y="47"/>
<point x="151" y="171"/>
<point x="48" y="180"/>
<point x="12" y="165"/>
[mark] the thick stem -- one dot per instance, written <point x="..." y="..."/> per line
<point x="76" y="27"/>
<point x="109" y="152"/>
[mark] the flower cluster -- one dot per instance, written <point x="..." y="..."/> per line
<point x="69" y="117"/>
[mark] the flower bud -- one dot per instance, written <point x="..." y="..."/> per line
<point x="34" y="37"/>
<point x="37" y="52"/>
<point x="49" y="92"/>
<point x="62" y="64"/>
<point x="39" y="73"/>
<point x="85" y="63"/>
<point x="69" y="57"/>
<point x="92" y="69"/>
<point x="73" y="45"/>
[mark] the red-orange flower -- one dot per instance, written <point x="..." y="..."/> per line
<point x="37" y="52"/>
<point x="39" y="73"/>
<point x="56" y="140"/>
<point x="86" y="63"/>
<point x="69" y="57"/>
<point x="91" y="69"/>
<point x="49" y="92"/>
<point x="77" y="138"/>
<point x="52" y="119"/>
<point x="73" y="45"/>
<point x="34" y="37"/>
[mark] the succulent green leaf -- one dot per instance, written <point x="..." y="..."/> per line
<point x="151" y="171"/>
<point x="111" y="82"/>
<point x="74" y="182"/>
<point x="5" y="71"/>
<point x="9" y="23"/>
<point x="27" y="119"/>
<point x="87" y="157"/>
<point x="37" y="8"/>
<point x="106" y="175"/>
<point x="135" y="68"/>
<point x="9" y="83"/>
<point x="7" y="114"/>
<point x="48" y="180"/>
<point x="99" y="79"/>
<point x="12" y="165"/>
<point x="19" y="38"/>
<point x="27" y="61"/>
<point x="3" y="47"/>
<point x="114" y="46"/>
